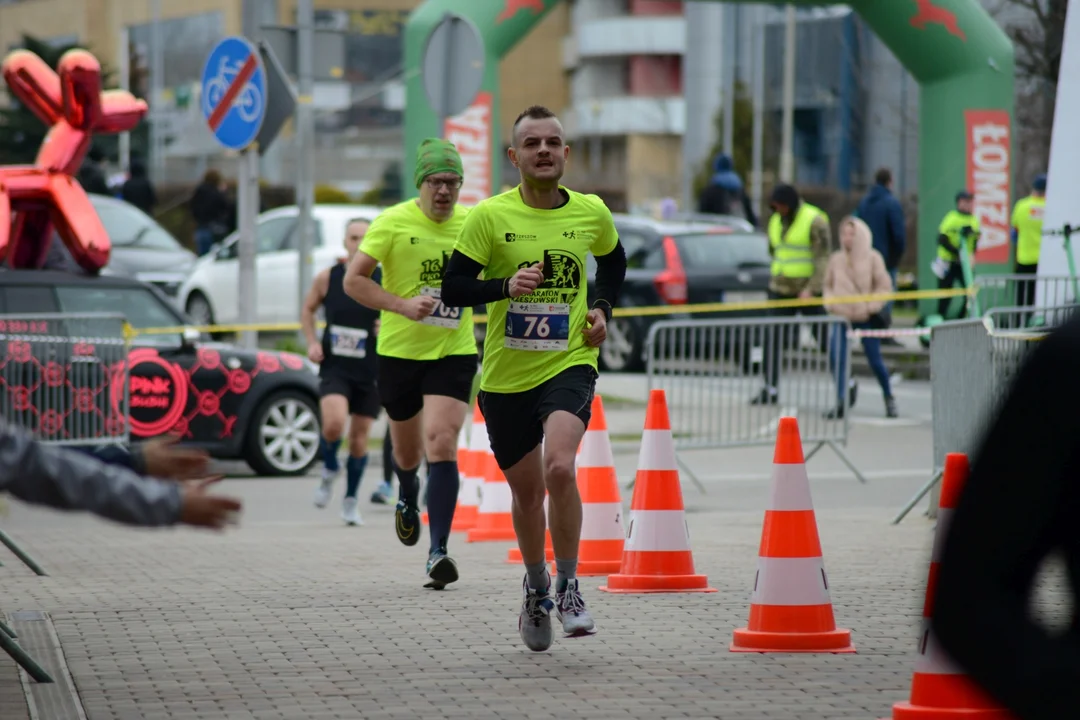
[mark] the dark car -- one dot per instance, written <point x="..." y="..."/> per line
<point x="141" y="248"/>
<point x="259" y="406"/>
<point x="679" y="263"/>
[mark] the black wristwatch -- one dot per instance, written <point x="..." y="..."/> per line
<point x="603" y="305"/>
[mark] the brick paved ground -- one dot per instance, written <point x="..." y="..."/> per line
<point x="294" y="616"/>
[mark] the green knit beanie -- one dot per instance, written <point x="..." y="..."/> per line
<point x="436" y="156"/>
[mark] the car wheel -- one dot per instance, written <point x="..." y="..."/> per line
<point x="283" y="438"/>
<point x="623" y="349"/>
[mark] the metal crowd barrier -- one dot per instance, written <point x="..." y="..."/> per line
<point x="972" y="365"/>
<point x="998" y="291"/>
<point x="64" y="377"/>
<point x="712" y="370"/>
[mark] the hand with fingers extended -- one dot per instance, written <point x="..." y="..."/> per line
<point x="201" y="509"/>
<point x="526" y="280"/>
<point x="164" y="458"/>
<point x="419" y="307"/>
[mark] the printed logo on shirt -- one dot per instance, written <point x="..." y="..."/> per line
<point x="433" y="269"/>
<point x="577" y="235"/>
<point x="515" y="237"/>
<point x="562" y="278"/>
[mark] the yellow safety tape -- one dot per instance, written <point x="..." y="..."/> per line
<point x="622" y="312"/>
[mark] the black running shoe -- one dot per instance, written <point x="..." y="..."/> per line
<point x="441" y="569"/>
<point x="407" y="523"/>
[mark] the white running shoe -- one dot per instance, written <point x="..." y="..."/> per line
<point x="349" y="513"/>
<point x="322" y="493"/>
<point x="570" y="609"/>
<point x="534" y="622"/>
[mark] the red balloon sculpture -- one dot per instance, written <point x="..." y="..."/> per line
<point x="44" y="195"/>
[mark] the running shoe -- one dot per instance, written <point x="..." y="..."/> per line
<point x="534" y="622"/>
<point x="382" y="495"/>
<point x="570" y="609"/>
<point x="322" y="493"/>
<point x="441" y="568"/>
<point x="349" y="512"/>
<point x="407" y="523"/>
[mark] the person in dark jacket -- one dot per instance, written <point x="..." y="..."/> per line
<point x="724" y="190"/>
<point x="1018" y="508"/>
<point x="883" y="214"/>
<point x="138" y="190"/>
<point x="210" y="209"/>
<point x="91" y="174"/>
<point x="64" y="479"/>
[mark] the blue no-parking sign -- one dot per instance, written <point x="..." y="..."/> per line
<point x="234" y="92"/>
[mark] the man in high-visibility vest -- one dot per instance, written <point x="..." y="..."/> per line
<point x="1027" y="224"/>
<point x="959" y="225"/>
<point x="799" y="241"/>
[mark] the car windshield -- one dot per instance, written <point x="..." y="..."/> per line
<point x="723" y="250"/>
<point x="139" y="305"/>
<point x="127" y="226"/>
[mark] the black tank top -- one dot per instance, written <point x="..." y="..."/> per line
<point x="348" y="341"/>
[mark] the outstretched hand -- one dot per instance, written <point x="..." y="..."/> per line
<point x="164" y="458"/>
<point x="201" y="509"/>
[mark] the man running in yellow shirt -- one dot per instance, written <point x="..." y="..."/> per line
<point x="539" y="368"/>
<point x="426" y="350"/>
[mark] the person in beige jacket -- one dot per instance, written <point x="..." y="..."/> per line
<point x="857" y="269"/>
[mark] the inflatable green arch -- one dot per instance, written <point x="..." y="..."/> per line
<point x="961" y="58"/>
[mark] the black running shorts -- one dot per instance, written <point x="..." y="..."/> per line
<point x="404" y="383"/>
<point x="515" y="421"/>
<point x="363" y="397"/>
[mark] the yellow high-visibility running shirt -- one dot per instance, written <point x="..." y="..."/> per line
<point x="532" y="338"/>
<point x="413" y="251"/>
<point x="1027" y="218"/>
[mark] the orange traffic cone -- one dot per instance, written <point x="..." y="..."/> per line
<point x="470" y="467"/>
<point x="939" y="690"/>
<point x="513" y="555"/>
<point x="656" y="557"/>
<point x="790" y="608"/>
<point x="493" y="521"/>
<point x="602" y="533"/>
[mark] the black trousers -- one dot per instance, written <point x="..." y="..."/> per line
<point x="778" y="337"/>
<point x="954" y="275"/>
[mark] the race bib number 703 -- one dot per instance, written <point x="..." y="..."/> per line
<point x="441" y="316"/>
<point x="537" y="326"/>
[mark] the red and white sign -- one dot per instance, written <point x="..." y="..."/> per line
<point x="989" y="147"/>
<point x="471" y="132"/>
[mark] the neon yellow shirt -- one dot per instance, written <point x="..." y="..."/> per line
<point x="532" y="338"/>
<point x="413" y="251"/>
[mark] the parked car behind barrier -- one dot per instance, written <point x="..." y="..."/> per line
<point x="260" y="406"/>
<point x="141" y="248"/>
<point x="675" y="263"/>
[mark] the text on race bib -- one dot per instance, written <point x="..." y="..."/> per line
<point x="537" y="326"/>
<point x="441" y="316"/>
<point x="348" y="342"/>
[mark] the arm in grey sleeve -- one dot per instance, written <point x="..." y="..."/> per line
<point x="59" y="478"/>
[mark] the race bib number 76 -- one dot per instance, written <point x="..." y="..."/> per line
<point x="537" y="326"/>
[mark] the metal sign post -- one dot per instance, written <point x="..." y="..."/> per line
<point x="452" y="67"/>
<point x="234" y="103"/>
<point x="305" y="136"/>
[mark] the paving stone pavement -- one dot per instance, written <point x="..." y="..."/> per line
<point x="293" y="616"/>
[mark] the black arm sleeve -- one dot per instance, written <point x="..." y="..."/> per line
<point x="1019" y="503"/>
<point x="943" y="241"/>
<point x="610" y="273"/>
<point x="462" y="288"/>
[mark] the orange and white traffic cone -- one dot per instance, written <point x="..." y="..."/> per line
<point x="602" y="534"/>
<point x="939" y="691"/>
<point x="656" y="556"/>
<point x="493" y="520"/>
<point x="790" y="608"/>
<point x="470" y="467"/>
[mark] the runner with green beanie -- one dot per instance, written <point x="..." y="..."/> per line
<point x="426" y="351"/>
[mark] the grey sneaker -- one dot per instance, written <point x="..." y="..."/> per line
<point x="534" y="622"/>
<point x="322" y="493"/>
<point x="570" y="609"/>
